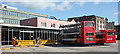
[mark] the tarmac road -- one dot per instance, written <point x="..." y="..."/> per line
<point x="93" y="48"/>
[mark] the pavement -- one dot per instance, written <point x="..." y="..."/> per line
<point x="119" y="46"/>
<point x="8" y="47"/>
<point x="112" y="47"/>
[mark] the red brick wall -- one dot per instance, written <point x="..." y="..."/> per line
<point x="29" y="22"/>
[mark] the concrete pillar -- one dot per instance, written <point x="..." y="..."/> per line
<point x="0" y="39"/>
<point x="0" y="34"/>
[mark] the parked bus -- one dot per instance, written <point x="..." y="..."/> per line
<point x="78" y="33"/>
<point x="106" y="36"/>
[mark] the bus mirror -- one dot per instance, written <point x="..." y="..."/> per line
<point x="80" y="27"/>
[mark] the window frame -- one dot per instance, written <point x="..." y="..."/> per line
<point x="53" y="25"/>
<point x="43" y="24"/>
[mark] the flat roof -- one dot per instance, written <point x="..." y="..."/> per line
<point x="25" y="12"/>
<point x="70" y="25"/>
<point x="49" y="19"/>
<point x="57" y="20"/>
<point x="11" y="25"/>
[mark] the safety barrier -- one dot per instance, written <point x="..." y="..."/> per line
<point x="33" y="42"/>
<point x="47" y="42"/>
<point x="26" y="42"/>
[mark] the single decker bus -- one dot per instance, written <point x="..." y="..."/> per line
<point x="106" y="36"/>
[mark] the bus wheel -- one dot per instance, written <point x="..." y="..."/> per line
<point x="97" y="43"/>
<point x="101" y="43"/>
<point x="76" y="43"/>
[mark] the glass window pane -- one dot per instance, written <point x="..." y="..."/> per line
<point x="52" y="25"/>
<point x="89" y="34"/>
<point x="43" y="24"/>
<point x="110" y="33"/>
<point x="89" y="24"/>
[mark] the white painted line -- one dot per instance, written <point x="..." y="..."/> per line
<point x="86" y="47"/>
<point x="103" y="46"/>
<point x="78" y="47"/>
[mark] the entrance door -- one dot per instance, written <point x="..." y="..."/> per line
<point x="31" y="36"/>
<point x="27" y="35"/>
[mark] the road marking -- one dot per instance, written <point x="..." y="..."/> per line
<point x="9" y="48"/>
<point x="103" y="46"/>
<point x="40" y="46"/>
<point x="15" y="48"/>
<point x="5" y="48"/>
<point x="86" y="47"/>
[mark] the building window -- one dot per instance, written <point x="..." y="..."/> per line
<point x="100" y="22"/>
<point x="3" y="12"/>
<point x="97" y="21"/>
<point x="43" y="24"/>
<point x="53" y="25"/>
<point x="28" y="22"/>
<point x="100" y="26"/>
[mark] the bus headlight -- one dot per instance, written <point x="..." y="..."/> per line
<point x="89" y="39"/>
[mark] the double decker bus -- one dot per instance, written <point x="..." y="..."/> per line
<point x="78" y="33"/>
<point x="106" y="36"/>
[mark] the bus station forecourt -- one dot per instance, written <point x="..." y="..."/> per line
<point x="22" y="31"/>
<point x="113" y="47"/>
<point x="29" y="33"/>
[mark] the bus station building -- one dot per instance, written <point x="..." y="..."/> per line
<point x="30" y="29"/>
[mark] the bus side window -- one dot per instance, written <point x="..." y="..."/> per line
<point x="82" y="32"/>
<point x="78" y="36"/>
<point x="81" y="25"/>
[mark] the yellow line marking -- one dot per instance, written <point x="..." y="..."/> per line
<point x="40" y="46"/>
<point x="9" y="48"/>
<point x="5" y="48"/>
<point x="15" y="48"/>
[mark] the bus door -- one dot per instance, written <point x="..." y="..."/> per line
<point x="99" y="37"/>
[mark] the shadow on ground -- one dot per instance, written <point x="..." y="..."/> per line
<point x="74" y="45"/>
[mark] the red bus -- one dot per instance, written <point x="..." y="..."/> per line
<point x="78" y="33"/>
<point x="106" y="36"/>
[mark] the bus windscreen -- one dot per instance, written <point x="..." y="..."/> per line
<point x="110" y="33"/>
<point x="89" y="24"/>
<point x="89" y="34"/>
